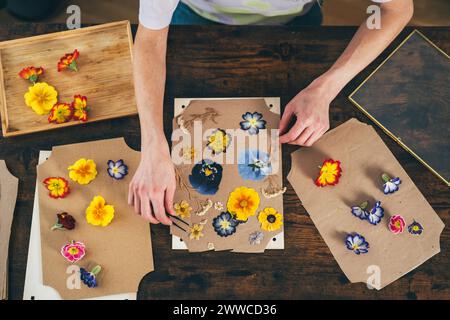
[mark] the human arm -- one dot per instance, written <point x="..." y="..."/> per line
<point x="311" y="105"/>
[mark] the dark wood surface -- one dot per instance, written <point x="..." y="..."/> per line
<point x="240" y="62"/>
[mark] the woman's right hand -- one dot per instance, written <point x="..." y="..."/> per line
<point x="152" y="188"/>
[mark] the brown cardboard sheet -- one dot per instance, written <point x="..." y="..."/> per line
<point x="8" y="196"/>
<point x="226" y="114"/>
<point x="364" y="157"/>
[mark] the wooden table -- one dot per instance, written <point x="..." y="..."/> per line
<point x="218" y="61"/>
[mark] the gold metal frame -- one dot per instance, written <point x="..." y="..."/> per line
<point x="389" y="133"/>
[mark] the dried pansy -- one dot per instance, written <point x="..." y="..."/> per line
<point x="117" y="169"/>
<point x="391" y="185"/>
<point x="255" y="238"/>
<point x="89" y="278"/>
<point x="31" y="74"/>
<point x="64" y="221"/>
<point x="196" y="232"/>
<point x="357" y="243"/>
<point x="69" y="61"/>
<point x="415" y="228"/>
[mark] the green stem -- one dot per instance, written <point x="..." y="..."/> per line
<point x="57" y="226"/>
<point x="96" y="270"/>
<point x="385" y="177"/>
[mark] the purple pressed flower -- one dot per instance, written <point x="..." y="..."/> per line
<point x="253" y="122"/>
<point x="90" y="278"/>
<point x="357" y="243"/>
<point x="376" y="213"/>
<point x="117" y="170"/>
<point x="390" y="185"/>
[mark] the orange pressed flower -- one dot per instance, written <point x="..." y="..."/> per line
<point x="69" y="61"/>
<point x="31" y="73"/>
<point x="58" y="187"/>
<point x="80" y="109"/>
<point x="60" y="113"/>
<point x="330" y="173"/>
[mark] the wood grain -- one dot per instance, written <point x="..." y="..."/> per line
<point x="219" y="61"/>
<point x="105" y="75"/>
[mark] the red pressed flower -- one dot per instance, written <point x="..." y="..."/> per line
<point x="80" y="109"/>
<point x="60" y="113"/>
<point x="330" y="172"/>
<point x="69" y="61"/>
<point x="31" y="73"/>
<point x="64" y="221"/>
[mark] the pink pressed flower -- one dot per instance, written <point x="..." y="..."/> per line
<point x="73" y="251"/>
<point x="397" y="224"/>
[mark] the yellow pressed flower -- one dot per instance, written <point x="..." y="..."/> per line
<point x="182" y="209"/>
<point x="189" y="154"/>
<point x="196" y="232"/>
<point x="270" y="219"/>
<point x="41" y="97"/>
<point x="243" y="203"/>
<point x="98" y="213"/>
<point x="83" y="171"/>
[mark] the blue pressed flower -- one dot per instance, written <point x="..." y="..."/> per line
<point x="253" y="122"/>
<point x="390" y="185"/>
<point x="117" y="170"/>
<point x="206" y="176"/>
<point x="254" y="165"/>
<point x="376" y="213"/>
<point x="224" y="224"/>
<point x="360" y="211"/>
<point x="357" y="243"/>
<point x="255" y="238"/>
<point x="415" y="228"/>
<point x="90" y="278"/>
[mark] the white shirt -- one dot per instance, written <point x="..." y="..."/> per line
<point x="157" y="14"/>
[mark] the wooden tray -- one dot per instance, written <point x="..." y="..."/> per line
<point x="105" y="75"/>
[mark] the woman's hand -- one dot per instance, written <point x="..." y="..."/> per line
<point x="153" y="186"/>
<point x="311" y="109"/>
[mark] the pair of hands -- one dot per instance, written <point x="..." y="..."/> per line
<point x="153" y="186"/>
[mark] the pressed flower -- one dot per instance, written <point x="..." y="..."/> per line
<point x="218" y="206"/>
<point x="243" y="203"/>
<point x="255" y="238"/>
<point x="196" y="232"/>
<point x="415" y="228"/>
<point x="330" y="172"/>
<point x="80" y="109"/>
<point x="69" y="61"/>
<point x="189" y="154"/>
<point x="270" y="219"/>
<point x="31" y="73"/>
<point x="183" y="209"/>
<point x="375" y="214"/>
<point x="64" y="221"/>
<point x="204" y="207"/>
<point x="206" y="177"/>
<point x="99" y="213"/>
<point x="218" y="141"/>
<point x="117" y="170"/>
<point x="41" y="97"/>
<point x="397" y="224"/>
<point x="253" y="122"/>
<point x="58" y="187"/>
<point x="360" y="211"/>
<point x="73" y="251"/>
<point x="83" y="171"/>
<point x="357" y="243"/>
<point x="254" y="165"/>
<point x="60" y="113"/>
<point x="89" y="278"/>
<point x="390" y="185"/>
<point x="225" y="224"/>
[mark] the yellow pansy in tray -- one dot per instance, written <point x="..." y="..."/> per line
<point x="41" y="97"/>
<point x="99" y="213"/>
<point x="243" y="203"/>
<point x="83" y="171"/>
<point x="270" y="219"/>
